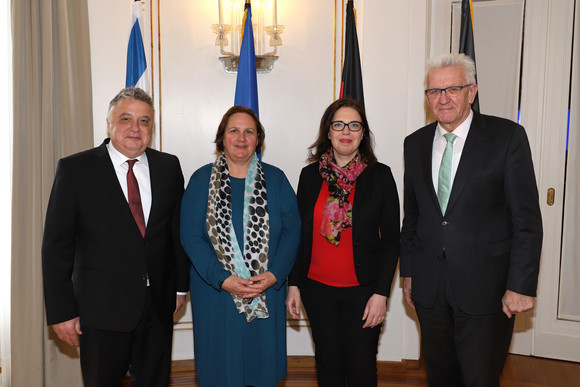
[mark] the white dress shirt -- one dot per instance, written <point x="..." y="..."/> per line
<point x="141" y="172"/>
<point x="439" y="143"/>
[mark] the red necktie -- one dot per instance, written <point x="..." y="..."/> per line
<point x="135" y="197"/>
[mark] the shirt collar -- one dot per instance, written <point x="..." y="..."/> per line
<point x="461" y="131"/>
<point x="119" y="159"/>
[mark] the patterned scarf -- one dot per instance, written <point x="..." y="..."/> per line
<point x="220" y="229"/>
<point x="337" y="214"/>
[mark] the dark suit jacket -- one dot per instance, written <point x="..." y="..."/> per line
<point x="375" y="230"/>
<point x="492" y="229"/>
<point x="91" y="236"/>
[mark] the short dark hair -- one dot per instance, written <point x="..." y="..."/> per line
<point x="219" y="136"/>
<point x="323" y="144"/>
<point x="132" y="93"/>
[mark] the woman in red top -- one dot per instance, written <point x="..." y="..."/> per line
<point x="350" y="245"/>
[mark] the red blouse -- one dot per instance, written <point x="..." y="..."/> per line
<point x="331" y="265"/>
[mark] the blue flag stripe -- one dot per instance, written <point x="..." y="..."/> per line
<point x="136" y="60"/>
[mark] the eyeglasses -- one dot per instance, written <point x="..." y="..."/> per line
<point x="353" y="126"/>
<point x="451" y="91"/>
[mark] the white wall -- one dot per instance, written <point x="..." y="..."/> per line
<point x="195" y="92"/>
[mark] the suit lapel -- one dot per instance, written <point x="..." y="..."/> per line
<point x="108" y="176"/>
<point x="360" y="192"/>
<point x="156" y="176"/>
<point x="316" y="184"/>
<point x="471" y="155"/>
<point x="426" y="160"/>
<point x="308" y="194"/>
<point x="106" y="173"/>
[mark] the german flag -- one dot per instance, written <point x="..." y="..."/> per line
<point x="466" y="45"/>
<point x="352" y="84"/>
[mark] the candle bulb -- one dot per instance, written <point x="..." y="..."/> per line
<point x="220" y="11"/>
<point x="275" y="12"/>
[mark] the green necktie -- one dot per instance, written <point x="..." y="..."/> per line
<point x="444" y="184"/>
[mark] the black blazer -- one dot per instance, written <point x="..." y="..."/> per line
<point x="91" y="236"/>
<point x="375" y="230"/>
<point x="492" y="229"/>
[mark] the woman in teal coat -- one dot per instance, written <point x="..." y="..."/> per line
<point x="238" y="289"/>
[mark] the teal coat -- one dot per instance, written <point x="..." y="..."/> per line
<point x="229" y="351"/>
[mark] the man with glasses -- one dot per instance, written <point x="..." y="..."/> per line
<point x="472" y="232"/>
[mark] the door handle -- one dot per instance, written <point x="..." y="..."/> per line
<point x="551" y="194"/>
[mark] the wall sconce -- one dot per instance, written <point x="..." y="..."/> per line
<point x="265" y="23"/>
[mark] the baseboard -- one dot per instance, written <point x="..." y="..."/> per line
<point x="305" y="362"/>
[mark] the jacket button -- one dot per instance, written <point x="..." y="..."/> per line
<point x="444" y="223"/>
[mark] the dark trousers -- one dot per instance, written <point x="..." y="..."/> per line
<point x="106" y="356"/>
<point x="346" y="353"/>
<point x="461" y="349"/>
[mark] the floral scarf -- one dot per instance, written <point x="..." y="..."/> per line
<point x="220" y="228"/>
<point x="337" y="214"/>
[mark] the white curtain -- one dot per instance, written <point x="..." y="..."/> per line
<point x="52" y="118"/>
<point x="6" y="193"/>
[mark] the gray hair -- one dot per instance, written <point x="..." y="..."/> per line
<point x="450" y="60"/>
<point x="132" y="93"/>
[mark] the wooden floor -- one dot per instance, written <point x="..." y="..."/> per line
<point x="520" y="371"/>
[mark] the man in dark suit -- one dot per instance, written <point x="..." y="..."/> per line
<point x="114" y="271"/>
<point x="472" y="232"/>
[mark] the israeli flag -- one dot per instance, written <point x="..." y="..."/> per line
<point x="137" y="74"/>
